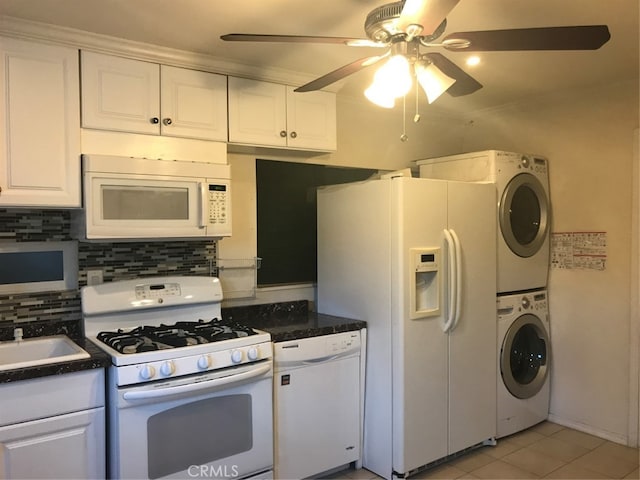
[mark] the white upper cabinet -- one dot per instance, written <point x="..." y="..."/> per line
<point x="141" y="97"/>
<point x="39" y="125"/>
<point x="311" y="120"/>
<point x="269" y="114"/>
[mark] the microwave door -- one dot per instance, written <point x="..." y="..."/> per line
<point x="143" y="207"/>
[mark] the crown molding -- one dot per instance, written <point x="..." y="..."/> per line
<point x="58" y="35"/>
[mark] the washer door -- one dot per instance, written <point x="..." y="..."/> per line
<point x="524" y="356"/>
<point x="524" y="215"/>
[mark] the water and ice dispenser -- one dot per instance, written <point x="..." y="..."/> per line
<point x="425" y="282"/>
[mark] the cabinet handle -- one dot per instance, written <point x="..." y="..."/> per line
<point x="294" y="134"/>
<point x="167" y="121"/>
<point x="155" y="120"/>
<point x="283" y="133"/>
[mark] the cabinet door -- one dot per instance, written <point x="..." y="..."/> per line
<point x="39" y="125"/>
<point x="193" y="104"/>
<point x="120" y="94"/>
<point x="65" y="446"/>
<point x="311" y="120"/>
<point x="257" y="112"/>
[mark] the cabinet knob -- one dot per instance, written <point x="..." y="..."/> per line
<point x="0" y="189"/>
<point x="167" y="121"/>
<point x="294" y="134"/>
<point x="155" y="120"/>
<point x="283" y="133"/>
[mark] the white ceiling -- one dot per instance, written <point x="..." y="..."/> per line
<point x="196" y="25"/>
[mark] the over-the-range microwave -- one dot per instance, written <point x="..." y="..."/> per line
<point x="146" y="199"/>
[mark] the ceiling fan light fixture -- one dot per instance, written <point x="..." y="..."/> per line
<point x="392" y="80"/>
<point x="379" y="97"/>
<point x="433" y="81"/>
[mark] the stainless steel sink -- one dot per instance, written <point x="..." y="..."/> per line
<point x="39" y="351"/>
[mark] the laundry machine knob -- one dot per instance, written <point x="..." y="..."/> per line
<point x="525" y="162"/>
<point x="525" y="303"/>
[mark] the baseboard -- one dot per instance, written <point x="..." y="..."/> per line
<point x="582" y="427"/>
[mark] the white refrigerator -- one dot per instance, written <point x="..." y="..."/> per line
<point x="416" y="259"/>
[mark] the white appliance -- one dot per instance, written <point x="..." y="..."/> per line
<point x="523" y="208"/>
<point x="317" y="402"/>
<point x="134" y="198"/>
<point x="524" y="361"/>
<point x="189" y="395"/>
<point x="416" y="259"/>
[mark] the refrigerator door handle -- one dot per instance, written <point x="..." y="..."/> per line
<point x="458" y="281"/>
<point x="451" y="291"/>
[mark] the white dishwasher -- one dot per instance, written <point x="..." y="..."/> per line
<point x="318" y="399"/>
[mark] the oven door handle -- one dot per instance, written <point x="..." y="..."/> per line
<point x="195" y="387"/>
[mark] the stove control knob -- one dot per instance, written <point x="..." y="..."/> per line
<point x="204" y="362"/>
<point x="253" y="353"/>
<point x="167" y="368"/>
<point x="236" y="356"/>
<point x="147" y="372"/>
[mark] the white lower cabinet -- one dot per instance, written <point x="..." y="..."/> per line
<point x="65" y="446"/>
<point x="39" y="125"/>
<point x="53" y="427"/>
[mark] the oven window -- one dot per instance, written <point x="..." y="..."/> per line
<point x="144" y="203"/>
<point x="199" y="433"/>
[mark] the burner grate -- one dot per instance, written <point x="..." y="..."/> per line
<point x="180" y="334"/>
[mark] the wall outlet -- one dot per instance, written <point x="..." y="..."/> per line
<point x="94" y="277"/>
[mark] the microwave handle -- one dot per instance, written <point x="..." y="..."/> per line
<point x="202" y="189"/>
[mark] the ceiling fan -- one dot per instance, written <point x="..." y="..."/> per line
<point x="403" y="27"/>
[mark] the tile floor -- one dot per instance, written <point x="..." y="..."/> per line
<point x="546" y="450"/>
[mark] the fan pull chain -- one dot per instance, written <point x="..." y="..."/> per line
<point x="416" y="117"/>
<point x="403" y="137"/>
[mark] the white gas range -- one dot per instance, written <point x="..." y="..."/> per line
<point x="189" y="395"/>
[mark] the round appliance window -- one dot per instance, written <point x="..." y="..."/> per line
<point x="524" y="215"/>
<point x="524" y="357"/>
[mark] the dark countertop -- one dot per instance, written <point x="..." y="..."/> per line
<point x="284" y="321"/>
<point x="98" y="358"/>
<point x="290" y="320"/>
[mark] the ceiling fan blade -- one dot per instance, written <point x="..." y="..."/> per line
<point x="427" y="13"/>
<point x="465" y="83"/>
<point x="583" y="37"/>
<point x="250" y="37"/>
<point x="340" y="73"/>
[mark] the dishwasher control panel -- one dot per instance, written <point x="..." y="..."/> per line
<point x="316" y="349"/>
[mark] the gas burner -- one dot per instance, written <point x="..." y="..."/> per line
<point x="180" y="334"/>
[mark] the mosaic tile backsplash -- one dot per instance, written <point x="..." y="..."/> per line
<point x="118" y="261"/>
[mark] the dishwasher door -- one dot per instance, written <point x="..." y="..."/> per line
<point x="317" y="404"/>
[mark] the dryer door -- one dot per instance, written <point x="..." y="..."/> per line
<point x="524" y="356"/>
<point x="524" y="214"/>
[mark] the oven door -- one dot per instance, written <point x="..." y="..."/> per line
<point x="213" y="425"/>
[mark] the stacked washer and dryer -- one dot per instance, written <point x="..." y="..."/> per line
<point x="523" y="343"/>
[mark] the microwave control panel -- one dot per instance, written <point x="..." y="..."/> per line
<point x="219" y="202"/>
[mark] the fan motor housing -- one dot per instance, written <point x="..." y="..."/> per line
<point x="381" y="24"/>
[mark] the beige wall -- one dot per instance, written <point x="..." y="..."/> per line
<point x="587" y="136"/>
<point x="368" y="137"/>
<point x="588" y="139"/>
